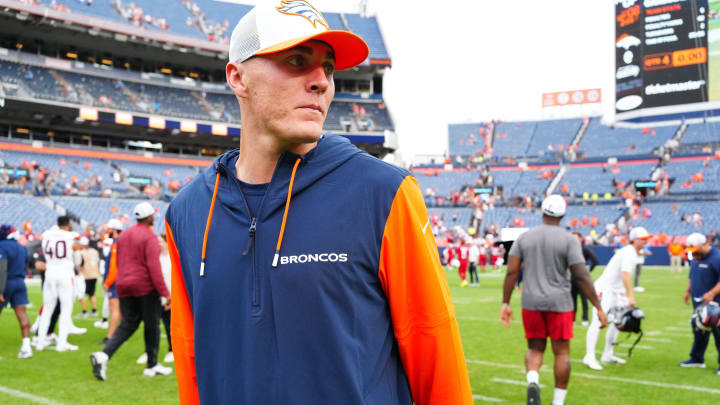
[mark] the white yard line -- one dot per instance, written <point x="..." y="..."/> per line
<point x="486" y="399"/>
<point x="25" y="395"/>
<point x="513" y="382"/>
<point x="606" y="378"/>
<point x="654" y="339"/>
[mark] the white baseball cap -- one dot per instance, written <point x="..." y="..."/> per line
<point x="84" y="241"/>
<point x="554" y="206"/>
<point x="143" y="210"/>
<point x="639" y="233"/>
<point x="276" y="25"/>
<point x="115" y="224"/>
<point x="694" y="241"/>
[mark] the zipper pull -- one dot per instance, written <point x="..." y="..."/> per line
<point x="251" y="231"/>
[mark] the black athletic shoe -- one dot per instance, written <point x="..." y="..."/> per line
<point x="104" y="341"/>
<point x="533" y="394"/>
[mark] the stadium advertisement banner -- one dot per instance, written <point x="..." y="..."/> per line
<point x="572" y="97"/>
<point x="661" y="53"/>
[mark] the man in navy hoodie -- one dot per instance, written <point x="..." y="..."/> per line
<point x="305" y="270"/>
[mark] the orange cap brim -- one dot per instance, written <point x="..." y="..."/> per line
<point x="350" y="50"/>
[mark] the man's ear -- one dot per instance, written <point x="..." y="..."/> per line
<point x="235" y="73"/>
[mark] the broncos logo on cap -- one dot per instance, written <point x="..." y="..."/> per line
<point x="303" y="9"/>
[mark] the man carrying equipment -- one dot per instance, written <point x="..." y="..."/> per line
<point x="546" y="253"/>
<point x="703" y="286"/>
<point x="13" y="270"/>
<point x="615" y="289"/>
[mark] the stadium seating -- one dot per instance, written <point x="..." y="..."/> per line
<point x="593" y="179"/>
<point x="466" y="139"/>
<point x="604" y="141"/>
<point x="664" y="220"/>
<point x="67" y="167"/>
<point x="505" y="216"/>
<point x="200" y="18"/>
<point x="513" y="138"/>
<point x="157" y="99"/>
<point x="162" y="173"/>
<point x="552" y="133"/>
<point x="369" y="30"/>
<point x="98" y="211"/>
<point x="685" y="174"/>
<point x="16" y="209"/>
<point x="707" y="133"/>
<point x="452" y="216"/>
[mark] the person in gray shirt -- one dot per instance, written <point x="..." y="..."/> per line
<point x="546" y="253"/>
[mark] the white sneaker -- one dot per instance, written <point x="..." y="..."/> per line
<point x="65" y="347"/>
<point x="74" y="330"/>
<point x="25" y="353"/>
<point x="52" y="339"/>
<point x="142" y="359"/>
<point x="100" y="324"/>
<point x="159" y="369"/>
<point x="169" y="358"/>
<point x="585" y="323"/>
<point x="639" y="289"/>
<point x="99" y="362"/>
<point x="592" y="363"/>
<point x="611" y="358"/>
<point x="41" y="344"/>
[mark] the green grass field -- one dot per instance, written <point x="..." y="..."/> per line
<point x="494" y="353"/>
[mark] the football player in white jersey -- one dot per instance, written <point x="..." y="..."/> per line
<point x="58" y="244"/>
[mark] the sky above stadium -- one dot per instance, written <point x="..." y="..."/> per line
<point x="476" y="60"/>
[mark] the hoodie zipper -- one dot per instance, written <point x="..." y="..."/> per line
<point x="252" y="231"/>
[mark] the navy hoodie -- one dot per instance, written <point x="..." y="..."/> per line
<point x="353" y="309"/>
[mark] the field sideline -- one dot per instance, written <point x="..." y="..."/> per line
<point x="494" y="354"/>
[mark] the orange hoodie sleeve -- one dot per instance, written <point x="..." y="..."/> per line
<point x="182" y="329"/>
<point x="420" y="305"/>
<point x="112" y="269"/>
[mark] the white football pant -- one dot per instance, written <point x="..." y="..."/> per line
<point x="57" y="285"/>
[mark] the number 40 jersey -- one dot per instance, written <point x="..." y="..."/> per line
<point x="57" y="245"/>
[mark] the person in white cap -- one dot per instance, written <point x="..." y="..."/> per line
<point x="140" y="285"/>
<point x="315" y="318"/>
<point x="703" y="286"/>
<point x="615" y="289"/>
<point x="548" y="255"/>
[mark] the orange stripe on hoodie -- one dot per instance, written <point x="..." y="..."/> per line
<point x="182" y="329"/>
<point x="420" y="305"/>
<point x="112" y="269"/>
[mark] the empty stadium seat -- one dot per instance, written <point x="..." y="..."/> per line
<point x="604" y="141"/>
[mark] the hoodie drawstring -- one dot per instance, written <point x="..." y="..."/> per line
<point x="282" y="225"/>
<point x="287" y="208"/>
<point x="207" y="226"/>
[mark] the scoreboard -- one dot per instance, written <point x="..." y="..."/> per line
<point x="663" y="57"/>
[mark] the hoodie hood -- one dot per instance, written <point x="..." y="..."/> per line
<point x="330" y="153"/>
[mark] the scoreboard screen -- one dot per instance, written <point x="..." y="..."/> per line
<point x="662" y="56"/>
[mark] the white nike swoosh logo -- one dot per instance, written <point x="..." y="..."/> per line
<point x="425" y="227"/>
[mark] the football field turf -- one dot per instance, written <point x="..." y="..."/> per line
<point x="494" y="354"/>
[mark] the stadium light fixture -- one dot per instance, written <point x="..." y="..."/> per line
<point x="106" y="61"/>
<point x="167" y="71"/>
<point x="19" y="45"/>
<point x="71" y="55"/>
